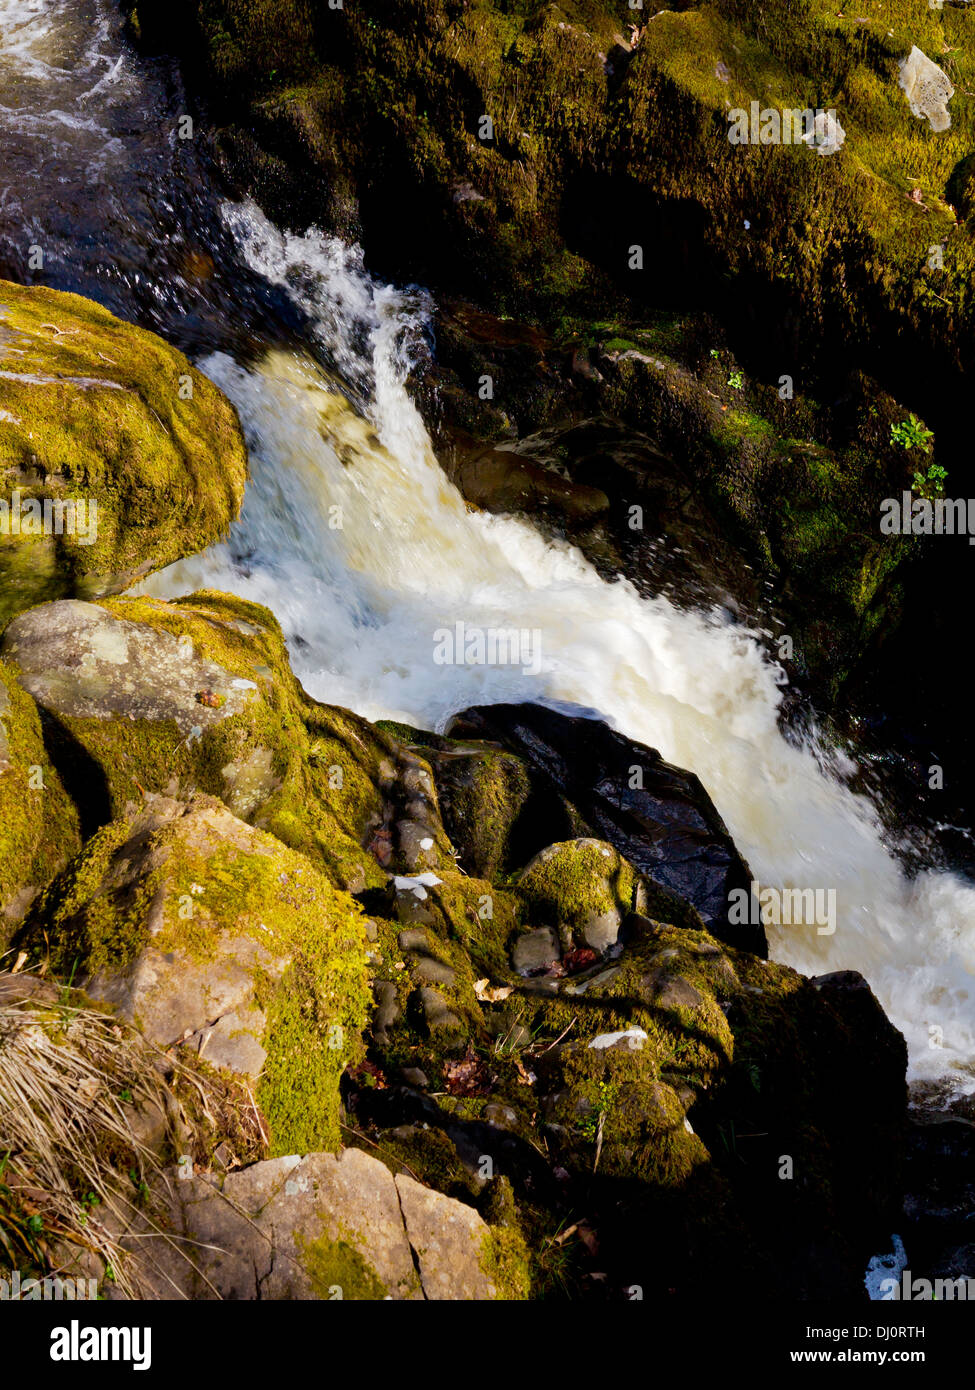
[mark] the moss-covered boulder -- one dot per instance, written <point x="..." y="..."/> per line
<point x="146" y="696"/>
<point x="116" y="455"/>
<point x="212" y="935"/>
<point x="584" y="888"/>
<point x="483" y="793"/>
<point x="40" y="828"/>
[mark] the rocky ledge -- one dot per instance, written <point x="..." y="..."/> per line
<point x="500" y="984"/>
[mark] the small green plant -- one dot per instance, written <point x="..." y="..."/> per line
<point x="930" y="483"/>
<point x="588" y="1125"/>
<point x="20" y="1232"/>
<point x="911" y="434"/>
<point x="737" y="381"/>
<point x="141" y="1187"/>
<point x="88" y="1203"/>
<point x="715" y="352"/>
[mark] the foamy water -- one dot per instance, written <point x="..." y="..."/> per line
<point x="352" y="535"/>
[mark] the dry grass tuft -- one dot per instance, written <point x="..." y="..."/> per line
<point x="73" y="1082"/>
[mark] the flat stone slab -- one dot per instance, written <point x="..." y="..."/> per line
<point x="325" y="1226"/>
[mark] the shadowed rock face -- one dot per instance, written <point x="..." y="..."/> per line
<point x="667" y="828"/>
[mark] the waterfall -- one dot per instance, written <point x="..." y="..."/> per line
<point x="352" y="535"/>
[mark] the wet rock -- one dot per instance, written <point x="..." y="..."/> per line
<point x="535" y="950"/>
<point x="668" y="829"/>
<point x="501" y="481"/>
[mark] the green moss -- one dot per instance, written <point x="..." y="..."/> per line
<point x="97" y="409"/>
<point x="39" y="826"/>
<point x="571" y="882"/>
<point x="427" y="1155"/>
<point x="79" y="927"/>
<point x="483" y="793"/>
<point x="96" y="917"/>
<point x="481" y="918"/>
<point x="506" y="1260"/>
<point x="317" y="769"/>
<point x="337" y="1270"/>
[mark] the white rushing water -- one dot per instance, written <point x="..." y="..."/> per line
<point x="352" y="535"/>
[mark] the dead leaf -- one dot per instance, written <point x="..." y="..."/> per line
<point x="491" y="994"/>
<point x="468" y="1077"/>
<point x="368" y="1074"/>
<point x="579" y="959"/>
<point x="88" y="1089"/>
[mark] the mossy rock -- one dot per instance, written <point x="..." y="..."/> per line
<point x="584" y="888"/>
<point x="207" y="932"/>
<point x="482" y="794"/>
<point x="800" y="487"/>
<point x="40" y="828"/>
<point x="208" y="702"/>
<point x="98" y="412"/>
<point x="581" y="120"/>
